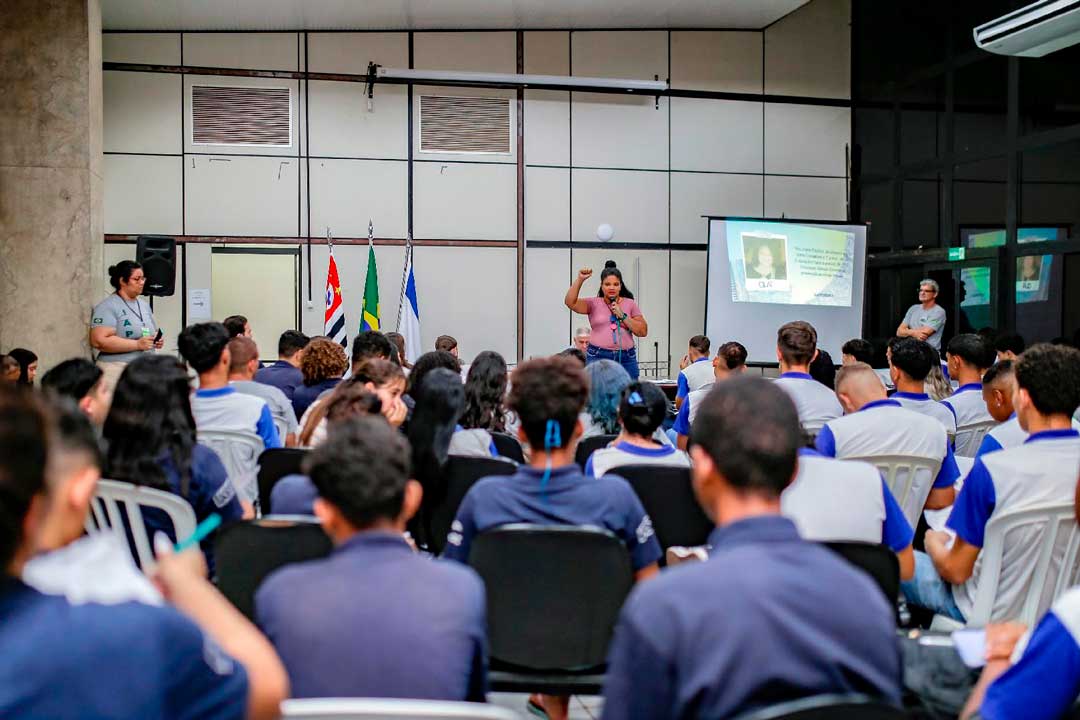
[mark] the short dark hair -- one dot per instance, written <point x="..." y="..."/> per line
<point x="548" y="389"/>
<point x="235" y="324"/>
<point x="574" y="353"/>
<point x="999" y="371"/>
<point x="73" y="378"/>
<point x="797" y="342"/>
<point x="823" y="369"/>
<point x="750" y="429"/>
<point x="642" y="408"/>
<point x="914" y="357"/>
<point x="291" y="342"/>
<point x="1009" y="342"/>
<point x="361" y="469"/>
<point x="973" y="349"/>
<point x="371" y="344"/>
<point x="1051" y="376"/>
<point x="734" y="355"/>
<point x="201" y="344"/>
<point x="445" y="342"/>
<point x="242" y="350"/>
<point x="861" y="350"/>
<point x="428" y="362"/>
<point x="23" y="454"/>
<point x="700" y="343"/>
<point x="74" y="434"/>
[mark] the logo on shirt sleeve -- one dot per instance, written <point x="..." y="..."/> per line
<point x="224" y="494"/>
<point x="644" y="530"/>
<point x="98" y="321"/>
<point x="455" y="537"/>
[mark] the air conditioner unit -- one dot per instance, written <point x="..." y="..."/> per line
<point x="1032" y="31"/>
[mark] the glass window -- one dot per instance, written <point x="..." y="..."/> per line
<point x="1050" y="192"/>
<point x="922" y="126"/>
<point x="876" y="208"/>
<point x="1039" y="297"/>
<point x="976" y="309"/>
<point x="1049" y="93"/>
<point x="979" y="194"/>
<point x="919" y="221"/>
<point x="979" y="105"/>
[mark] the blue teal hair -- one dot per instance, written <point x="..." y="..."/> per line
<point x="607" y="380"/>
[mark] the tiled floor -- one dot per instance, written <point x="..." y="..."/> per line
<point x="582" y="707"/>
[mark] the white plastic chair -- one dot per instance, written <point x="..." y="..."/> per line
<point x="239" y="452"/>
<point x="105" y="514"/>
<point x="391" y="709"/>
<point x="970" y="437"/>
<point x="900" y="472"/>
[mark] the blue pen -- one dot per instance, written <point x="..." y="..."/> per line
<point x="207" y="526"/>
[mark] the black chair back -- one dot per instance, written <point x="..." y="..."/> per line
<point x="275" y="464"/>
<point x="508" y="447"/>
<point x="247" y="552"/>
<point x="461" y="473"/>
<point x="828" y="707"/>
<point x="586" y="447"/>
<point x="668" y="496"/>
<point x="553" y="593"/>
<point x="878" y="561"/>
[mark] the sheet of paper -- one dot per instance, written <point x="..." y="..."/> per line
<point x="971" y="646"/>
<point x="198" y="308"/>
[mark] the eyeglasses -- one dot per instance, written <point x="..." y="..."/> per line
<point x="137" y="278"/>
<point x="925" y="290"/>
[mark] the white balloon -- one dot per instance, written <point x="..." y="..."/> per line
<point x="605" y="232"/>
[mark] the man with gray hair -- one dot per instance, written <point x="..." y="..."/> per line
<point x="581" y="338"/>
<point x="925" y="320"/>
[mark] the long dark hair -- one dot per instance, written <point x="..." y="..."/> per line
<point x="440" y="399"/>
<point x="25" y="358"/>
<point x="485" y="393"/>
<point x="609" y="270"/>
<point x="150" y="417"/>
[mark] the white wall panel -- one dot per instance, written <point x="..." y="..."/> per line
<point x="720" y="61"/>
<point x="806" y="198"/>
<point x="547" y="127"/>
<point x="142" y="195"/>
<point x="688" y="303"/>
<point x="697" y="194"/>
<point x="469" y="51"/>
<point x="345" y="194"/>
<point x="722" y="135"/>
<point x="547" y="204"/>
<point x="143" y="48"/>
<point x="296" y="98"/>
<point x="619" y="132"/>
<point x="632" y="54"/>
<point x="351" y="52"/>
<point x="634" y="203"/>
<point x="142" y="112"/>
<point x="253" y="51"/>
<point x="464" y="201"/>
<point x="547" y="53"/>
<point x="806" y="139"/>
<point x="257" y="196"/>
<point x="548" y="324"/>
<point x="809" y="51"/>
<point x="341" y="125"/>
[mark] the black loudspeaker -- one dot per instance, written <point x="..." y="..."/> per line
<point x="157" y="255"/>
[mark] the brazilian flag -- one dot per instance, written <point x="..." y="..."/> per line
<point x="369" y="317"/>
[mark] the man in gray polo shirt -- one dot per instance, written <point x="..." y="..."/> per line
<point x="244" y="361"/>
<point x="925" y="320"/>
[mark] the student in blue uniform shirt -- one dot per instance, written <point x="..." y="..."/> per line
<point x="769" y="616"/>
<point x="796" y="348"/>
<point x="1041" y="471"/>
<point x="998" y="386"/>
<point x="969" y="356"/>
<point x="374" y="619"/>
<point x="730" y="361"/>
<point x="694" y="370"/>
<point x="198" y="659"/>
<point x="910" y="362"/>
<point x="285" y="374"/>
<point x="641" y="411"/>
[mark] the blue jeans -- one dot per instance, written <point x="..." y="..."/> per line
<point x="928" y="590"/>
<point x="626" y="358"/>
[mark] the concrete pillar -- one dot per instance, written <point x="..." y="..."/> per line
<point x="51" y="170"/>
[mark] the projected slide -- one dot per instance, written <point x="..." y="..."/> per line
<point x="789" y="264"/>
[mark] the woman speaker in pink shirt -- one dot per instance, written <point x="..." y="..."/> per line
<point x="613" y="315"/>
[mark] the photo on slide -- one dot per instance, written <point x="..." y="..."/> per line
<point x="1029" y="275"/>
<point x="765" y="261"/>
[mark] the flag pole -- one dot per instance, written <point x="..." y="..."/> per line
<point x="404" y="278"/>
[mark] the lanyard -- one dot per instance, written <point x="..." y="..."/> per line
<point x="135" y="312"/>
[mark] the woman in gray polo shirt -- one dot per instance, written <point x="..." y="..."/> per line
<point x="122" y="326"/>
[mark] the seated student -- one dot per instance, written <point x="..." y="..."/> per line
<point x="424" y="364"/>
<point x="548" y="395"/>
<point x="80" y="380"/>
<point x="641" y="411"/>
<point x="216" y="405"/>
<point x="1008" y="346"/>
<point x="285" y="374"/>
<point x="1042" y="470"/>
<point x="128" y="659"/>
<point x="857" y="350"/>
<point x="384" y="378"/>
<point x="374" y="619"/>
<point x="485" y="405"/>
<point x="323" y="365"/>
<point x="910" y="361"/>
<point x="730" y="361"/>
<point x="937" y="384"/>
<point x="846" y="500"/>
<point x="694" y="370"/>
<point x="969" y="356"/>
<point x="877" y="425"/>
<point x="823" y="369"/>
<point x="447" y="343"/>
<point x="398" y="341"/>
<point x="768" y="617"/>
<point x="237" y="326"/>
<point x="370" y="345"/>
<point x="796" y="347"/>
<point x="607" y="379"/>
<point x="243" y="362"/>
<point x="998" y="387"/>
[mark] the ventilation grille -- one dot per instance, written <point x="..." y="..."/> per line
<point x="464" y="124"/>
<point x="240" y="116"/>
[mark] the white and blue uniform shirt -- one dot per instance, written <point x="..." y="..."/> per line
<point x="605" y="459"/>
<point x="844" y="500"/>
<point x="226" y="409"/>
<point x="884" y="427"/>
<point x="1007" y="434"/>
<point x="1044" y="681"/>
<point x="688" y="411"/>
<point x="472" y="442"/>
<point x="816" y="403"/>
<point x="695" y="376"/>
<point x="1042" y="470"/>
<point x="925" y="405"/>
<point x="969" y="408"/>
